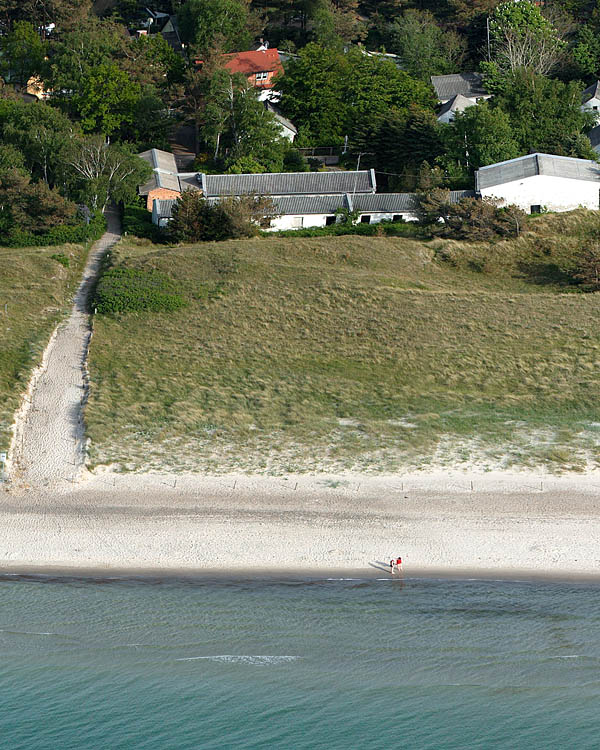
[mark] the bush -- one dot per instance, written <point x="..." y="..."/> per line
<point x="137" y="220"/>
<point x="59" y="235"/>
<point x="123" y="289"/>
<point x="386" y="228"/>
<point x="61" y="258"/>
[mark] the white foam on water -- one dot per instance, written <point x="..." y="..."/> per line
<point x="243" y="658"/>
<point x="568" y="656"/>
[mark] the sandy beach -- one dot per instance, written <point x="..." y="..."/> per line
<point x="507" y="524"/>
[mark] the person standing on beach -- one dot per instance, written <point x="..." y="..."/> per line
<point x="395" y="565"/>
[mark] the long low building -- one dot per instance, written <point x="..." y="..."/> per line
<point x="538" y="182"/>
<point x="305" y="211"/>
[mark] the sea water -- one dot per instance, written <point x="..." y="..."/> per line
<point x="188" y="664"/>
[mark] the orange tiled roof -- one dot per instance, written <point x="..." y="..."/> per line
<point x="254" y="61"/>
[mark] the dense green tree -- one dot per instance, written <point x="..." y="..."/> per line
<point x="253" y="132"/>
<point x="424" y="47"/>
<point x="40" y="132"/>
<point x="30" y="207"/>
<point x="477" y="137"/>
<point x="107" y="100"/>
<point x="545" y="115"/>
<point x="21" y="53"/>
<point x="330" y="94"/>
<point x="203" y="22"/>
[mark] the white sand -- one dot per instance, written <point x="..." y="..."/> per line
<point x="509" y="524"/>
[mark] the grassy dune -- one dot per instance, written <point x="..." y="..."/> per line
<point x="36" y="290"/>
<point x="374" y="354"/>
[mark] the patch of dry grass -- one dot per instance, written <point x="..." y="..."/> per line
<point x="365" y="353"/>
<point x="36" y="290"/>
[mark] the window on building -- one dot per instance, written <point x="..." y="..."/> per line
<point x="297" y="222"/>
<point x="397" y="217"/>
<point x="262" y="76"/>
<point x="535" y="209"/>
<point x="365" y="219"/>
<point x="329" y="220"/>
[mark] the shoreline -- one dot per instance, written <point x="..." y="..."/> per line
<point x="232" y="526"/>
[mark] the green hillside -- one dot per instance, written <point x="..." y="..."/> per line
<point x="373" y="354"/>
<point x="35" y="288"/>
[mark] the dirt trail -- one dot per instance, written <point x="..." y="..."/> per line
<point x="49" y="444"/>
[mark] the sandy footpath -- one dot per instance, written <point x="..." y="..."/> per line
<point x="49" y="443"/>
<point x="508" y="524"/>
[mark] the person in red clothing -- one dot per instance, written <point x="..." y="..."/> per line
<point x="395" y="565"/>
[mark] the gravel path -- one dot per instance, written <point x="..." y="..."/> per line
<point x="49" y="444"/>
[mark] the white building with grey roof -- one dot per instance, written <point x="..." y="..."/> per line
<point x="590" y="100"/>
<point x="306" y="211"/>
<point x="469" y="85"/>
<point x="539" y="182"/>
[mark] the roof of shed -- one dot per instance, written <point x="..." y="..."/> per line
<point x="291" y="183"/>
<point x="467" y="84"/>
<point x="537" y="164"/>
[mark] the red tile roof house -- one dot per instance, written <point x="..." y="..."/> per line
<point x="259" y="66"/>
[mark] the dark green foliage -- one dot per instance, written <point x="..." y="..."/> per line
<point x="77" y="232"/>
<point x="469" y="218"/>
<point x="123" y="289"/>
<point x="385" y="228"/>
<point x="61" y="258"/>
<point x="137" y="220"/>
<point x="197" y="220"/>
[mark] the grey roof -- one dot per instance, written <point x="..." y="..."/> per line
<point x="296" y="205"/>
<point x="291" y="183"/>
<point x="164" y="208"/>
<point x="280" y="118"/>
<point x="537" y="164"/>
<point x="594" y="136"/>
<point x="592" y="92"/>
<point x="289" y="205"/>
<point x="467" y="84"/>
<point x="385" y="202"/>
<point x="158" y="159"/>
<point x="164" y="174"/>
<point x="458" y="103"/>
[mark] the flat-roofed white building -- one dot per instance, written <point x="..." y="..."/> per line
<point x="539" y="182"/>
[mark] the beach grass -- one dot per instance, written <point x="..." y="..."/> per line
<point x="351" y="353"/>
<point x="35" y="290"/>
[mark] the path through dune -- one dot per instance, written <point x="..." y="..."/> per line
<point x="49" y="444"/>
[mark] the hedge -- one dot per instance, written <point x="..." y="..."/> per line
<point x="59" y="235"/>
<point x="387" y="228"/>
<point x="137" y="220"/>
<point x="123" y="289"/>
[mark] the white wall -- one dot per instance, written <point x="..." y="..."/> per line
<point x="319" y="220"/>
<point x="593" y="105"/>
<point x="552" y="193"/>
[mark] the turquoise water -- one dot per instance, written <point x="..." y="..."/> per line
<point x="346" y="664"/>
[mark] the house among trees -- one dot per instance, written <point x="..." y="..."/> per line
<point x="259" y="66"/>
<point x="469" y="85"/>
<point x="458" y="103"/>
<point x="590" y="99"/>
<point x="539" y="182"/>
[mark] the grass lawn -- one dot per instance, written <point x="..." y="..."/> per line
<point x="36" y="290"/>
<point x="373" y="354"/>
